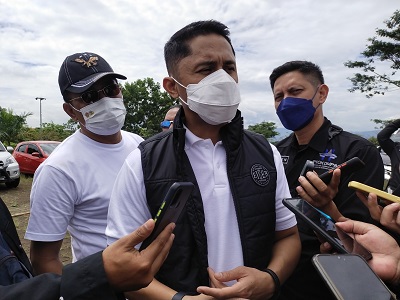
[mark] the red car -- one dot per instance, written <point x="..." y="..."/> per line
<point x="31" y="154"/>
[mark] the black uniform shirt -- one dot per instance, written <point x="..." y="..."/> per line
<point x="392" y="149"/>
<point x="329" y="147"/>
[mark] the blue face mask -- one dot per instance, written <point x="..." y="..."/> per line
<point x="296" y="113"/>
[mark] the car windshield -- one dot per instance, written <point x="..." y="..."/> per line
<point x="48" y="147"/>
<point x="2" y="148"/>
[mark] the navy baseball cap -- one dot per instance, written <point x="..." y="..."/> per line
<point x="80" y="71"/>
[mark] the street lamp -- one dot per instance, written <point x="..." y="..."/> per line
<point x="40" y="111"/>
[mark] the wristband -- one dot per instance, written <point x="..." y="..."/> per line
<point x="276" y="281"/>
<point x="178" y="296"/>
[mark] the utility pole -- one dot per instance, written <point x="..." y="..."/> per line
<point x="40" y="109"/>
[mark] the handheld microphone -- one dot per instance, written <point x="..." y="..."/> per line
<point x="347" y="167"/>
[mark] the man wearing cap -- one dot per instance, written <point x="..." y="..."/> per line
<point x="72" y="188"/>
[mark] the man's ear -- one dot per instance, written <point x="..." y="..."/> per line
<point x="171" y="87"/>
<point x="323" y="93"/>
<point x="70" y="111"/>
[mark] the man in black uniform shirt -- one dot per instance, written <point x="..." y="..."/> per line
<point x="392" y="149"/>
<point x="299" y="93"/>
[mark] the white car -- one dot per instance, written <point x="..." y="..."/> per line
<point x="9" y="168"/>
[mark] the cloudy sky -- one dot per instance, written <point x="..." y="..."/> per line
<point x="36" y="36"/>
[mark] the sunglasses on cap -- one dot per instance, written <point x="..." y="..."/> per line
<point x="166" y="123"/>
<point x="89" y="97"/>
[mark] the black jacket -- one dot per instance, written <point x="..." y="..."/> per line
<point x="329" y="147"/>
<point x="85" y="279"/>
<point x="252" y="177"/>
<point x="392" y="149"/>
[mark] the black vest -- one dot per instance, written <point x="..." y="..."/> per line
<point x="252" y="178"/>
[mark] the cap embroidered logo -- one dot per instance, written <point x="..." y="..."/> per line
<point x="92" y="61"/>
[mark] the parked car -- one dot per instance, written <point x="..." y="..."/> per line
<point x="9" y="168"/>
<point x="31" y="154"/>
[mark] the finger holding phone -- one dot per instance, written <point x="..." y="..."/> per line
<point x="320" y="194"/>
<point x="388" y="216"/>
<point x="384" y="248"/>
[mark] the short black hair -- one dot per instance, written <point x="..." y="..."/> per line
<point x="177" y="47"/>
<point x="310" y="70"/>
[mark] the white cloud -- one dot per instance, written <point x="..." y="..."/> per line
<point x="37" y="35"/>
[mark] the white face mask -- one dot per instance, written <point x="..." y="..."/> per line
<point x="215" y="98"/>
<point x="104" y="117"/>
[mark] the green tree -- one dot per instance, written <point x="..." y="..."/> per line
<point x="48" y="132"/>
<point x="146" y="105"/>
<point x="374" y="140"/>
<point x="381" y="123"/>
<point x="11" y="125"/>
<point x="385" y="47"/>
<point x="267" y="129"/>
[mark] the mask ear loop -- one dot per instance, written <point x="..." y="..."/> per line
<point x="312" y="99"/>
<point x="179" y="83"/>
<point x="183" y="101"/>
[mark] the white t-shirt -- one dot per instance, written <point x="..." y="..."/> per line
<point x="71" y="191"/>
<point x="128" y="205"/>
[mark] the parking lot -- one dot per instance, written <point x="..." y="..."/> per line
<point x="17" y="201"/>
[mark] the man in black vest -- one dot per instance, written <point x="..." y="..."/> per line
<point x="234" y="224"/>
<point x="300" y="92"/>
<point x="103" y="275"/>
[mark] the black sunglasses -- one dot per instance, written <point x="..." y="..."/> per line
<point x="89" y="97"/>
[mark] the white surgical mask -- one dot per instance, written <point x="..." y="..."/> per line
<point x="215" y="98"/>
<point x="104" y="117"/>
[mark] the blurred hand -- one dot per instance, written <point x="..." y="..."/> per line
<point x="319" y="194"/>
<point x="128" y="269"/>
<point x="251" y="284"/>
<point x="388" y="216"/>
<point x="384" y="249"/>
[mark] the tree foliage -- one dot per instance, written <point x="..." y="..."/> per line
<point x="374" y="140"/>
<point x="267" y="129"/>
<point x="384" y="47"/>
<point x="11" y="125"/>
<point x="382" y="123"/>
<point x="146" y="105"/>
<point x="48" y="132"/>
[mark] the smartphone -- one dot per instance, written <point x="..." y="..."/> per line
<point x="347" y="167"/>
<point x="349" y="276"/>
<point x="170" y="209"/>
<point x="324" y="226"/>
<point x="369" y="189"/>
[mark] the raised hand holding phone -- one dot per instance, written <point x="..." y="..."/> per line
<point x="369" y="189"/>
<point x="325" y="227"/>
<point x="386" y="214"/>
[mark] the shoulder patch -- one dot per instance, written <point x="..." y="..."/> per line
<point x="260" y="174"/>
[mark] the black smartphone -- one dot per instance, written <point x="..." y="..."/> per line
<point x="352" y="165"/>
<point x="170" y="209"/>
<point x="349" y="276"/>
<point x="325" y="227"/>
